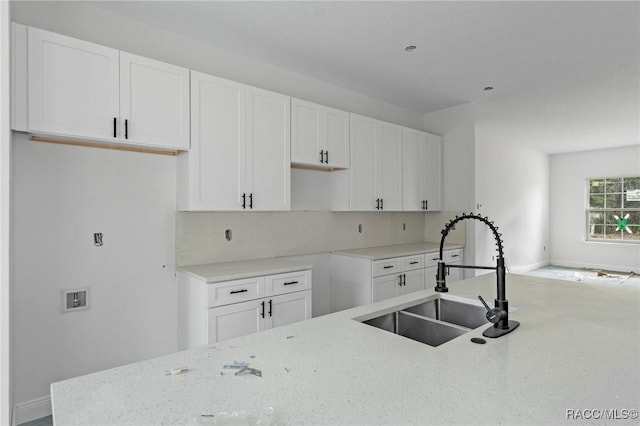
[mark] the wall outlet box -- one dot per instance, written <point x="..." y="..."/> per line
<point x="75" y="299"/>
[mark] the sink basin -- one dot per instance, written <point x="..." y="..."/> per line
<point x="452" y="311"/>
<point x="433" y="322"/>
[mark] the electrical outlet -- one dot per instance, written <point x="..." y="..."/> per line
<point x="75" y="299"/>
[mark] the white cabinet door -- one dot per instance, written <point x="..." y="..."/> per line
<point x="432" y="172"/>
<point x="384" y="287"/>
<point x="389" y="166"/>
<point x="319" y="135"/>
<point x="288" y="308"/>
<point x="216" y="163"/>
<point x="413" y="163"/>
<point x="307" y="133"/>
<point x="362" y="171"/>
<point x="337" y="148"/>
<point x="154" y="102"/>
<point x="73" y="87"/>
<point x="421" y="171"/>
<point x="227" y="322"/>
<point x="413" y="281"/>
<point x="268" y="150"/>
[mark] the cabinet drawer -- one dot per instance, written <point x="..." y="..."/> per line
<point x="411" y="262"/>
<point x="452" y="256"/>
<point x="431" y="259"/>
<point x="228" y="292"/>
<point x="288" y="283"/>
<point x="384" y="267"/>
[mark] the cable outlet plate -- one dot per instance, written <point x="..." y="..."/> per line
<point x="76" y="299"/>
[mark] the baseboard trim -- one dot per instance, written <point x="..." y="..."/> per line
<point x="31" y="410"/>
<point x="527" y="268"/>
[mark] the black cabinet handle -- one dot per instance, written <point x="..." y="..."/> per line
<point x="423" y="207"/>
<point x="270" y="307"/>
<point x="244" y="290"/>
<point x="381" y="203"/>
<point x="377" y="203"/>
<point x="251" y="201"/>
<point x="126" y="129"/>
<point x="244" y="200"/>
<point x="404" y="279"/>
<point x="415" y="262"/>
<point x="426" y="204"/>
<point x="291" y="282"/>
<point x="262" y="313"/>
<point x="388" y="266"/>
<point x="115" y="133"/>
<point x="326" y="157"/>
<point x="321" y="156"/>
<point x="455" y="255"/>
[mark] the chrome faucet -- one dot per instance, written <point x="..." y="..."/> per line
<point x="499" y="315"/>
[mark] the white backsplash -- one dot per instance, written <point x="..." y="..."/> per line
<point x="200" y="237"/>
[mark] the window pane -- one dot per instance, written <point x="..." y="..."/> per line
<point x="596" y="186"/>
<point x="596" y="231"/>
<point x="631" y="184"/>
<point x="614" y="185"/>
<point x="611" y="233"/>
<point x="611" y="220"/>
<point x="596" y="201"/>
<point x="635" y="235"/>
<point x="596" y="218"/>
<point x="634" y="217"/>
<point x="613" y="201"/>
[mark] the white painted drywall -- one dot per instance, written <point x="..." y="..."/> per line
<point x="457" y="127"/>
<point x="62" y="195"/>
<point x="569" y="173"/>
<point x="5" y="166"/>
<point x="512" y="189"/>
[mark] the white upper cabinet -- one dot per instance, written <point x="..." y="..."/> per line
<point x="389" y="166"/>
<point x="83" y="90"/>
<point x="240" y="142"/>
<point x="73" y="86"/>
<point x="154" y="102"/>
<point x="421" y="171"/>
<point x="268" y="150"/>
<point x="319" y="136"/>
<point x="376" y="165"/>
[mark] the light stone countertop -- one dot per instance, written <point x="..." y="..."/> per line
<point x="399" y="250"/>
<point x="227" y="271"/>
<point x="577" y="348"/>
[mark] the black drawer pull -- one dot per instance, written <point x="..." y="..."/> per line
<point x="322" y="156"/>
<point x="455" y="255"/>
<point x="270" y="307"/>
<point x="244" y="290"/>
<point x="262" y="313"/>
<point x="251" y="200"/>
<point x="326" y="157"/>
<point x="290" y="282"/>
<point x="388" y="266"/>
<point x="435" y="258"/>
<point x="115" y="134"/>
<point x="415" y="262"/>
<point x="126" y="129"/>
<point x="244" y="200"/>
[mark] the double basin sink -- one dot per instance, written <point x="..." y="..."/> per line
<point x="434" y="321"/>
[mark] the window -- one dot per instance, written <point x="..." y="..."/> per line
<point x="613" y="209"/>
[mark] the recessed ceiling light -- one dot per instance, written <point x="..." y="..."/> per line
<point x="410" y="48"/>
<point x="488" y="88"/>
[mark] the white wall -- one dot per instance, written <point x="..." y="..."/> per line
<point x="568" y="209"/>
<point x="456" y="125"/>
<point x="62" y="195"/>
<point x="512" y="188"/>
<point x="5" y="155"/>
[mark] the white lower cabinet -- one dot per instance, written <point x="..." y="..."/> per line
<point x="358" y="281"/>
<point x="227" y="322"/>
<point x="212" y="312"/>
<point x="451" y="257"/>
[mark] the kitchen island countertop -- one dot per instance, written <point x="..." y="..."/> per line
<point x="577" y="349"/>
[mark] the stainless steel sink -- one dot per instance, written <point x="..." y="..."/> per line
<point x="433" y="322"/>
<point x="452" y="311"/>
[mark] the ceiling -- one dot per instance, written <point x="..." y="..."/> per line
<point x="566" y="75"/>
